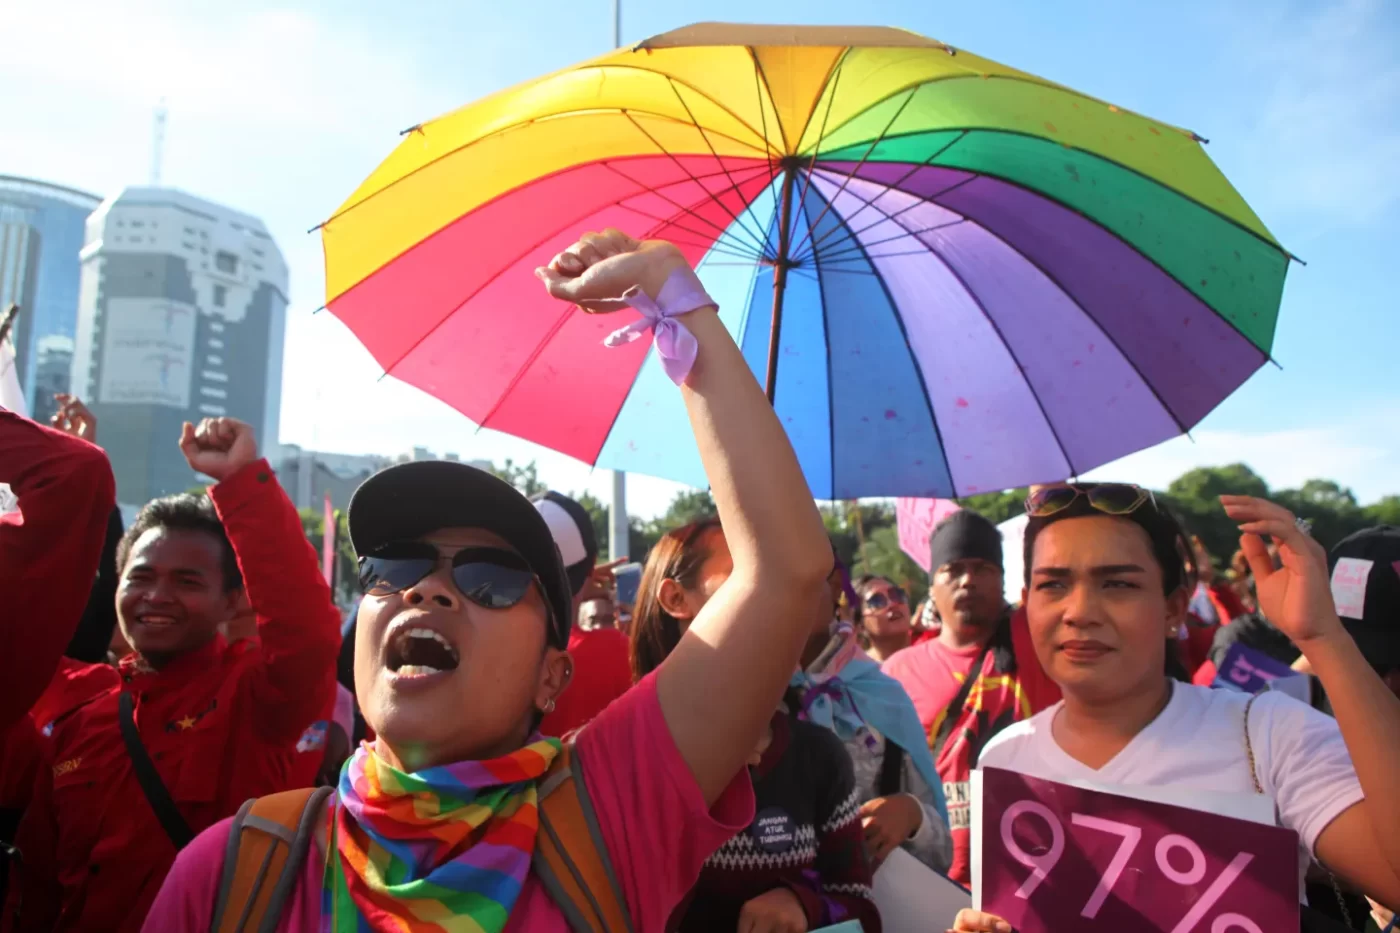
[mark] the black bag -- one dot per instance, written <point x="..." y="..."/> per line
<point x="157" y="795"/>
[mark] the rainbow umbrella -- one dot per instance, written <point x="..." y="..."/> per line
<point x="951" y="276"/>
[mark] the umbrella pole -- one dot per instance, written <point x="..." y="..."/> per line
<point x="780" y="271"/>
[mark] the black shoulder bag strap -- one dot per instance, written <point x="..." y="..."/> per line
<point x="953" y="712"/>
<point x="146" y="775"/>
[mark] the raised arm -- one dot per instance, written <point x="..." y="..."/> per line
<point x="721" y="684"/>
<point x="1363" y="843"/>
<point x="48" y="551"/>
<point x="298" y="624"/>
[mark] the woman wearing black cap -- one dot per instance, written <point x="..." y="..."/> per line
<point x="460" y="651"/>
<point x="1106" y="586"/>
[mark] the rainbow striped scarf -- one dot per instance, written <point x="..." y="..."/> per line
<point x="445" y="850"/>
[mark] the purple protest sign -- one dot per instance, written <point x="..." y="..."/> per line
<point x="1056" y="858"/>
<point x="915" y="519"/>
<point x="1249" y="671"/>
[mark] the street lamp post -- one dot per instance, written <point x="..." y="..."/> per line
<point x="618" y="544"/>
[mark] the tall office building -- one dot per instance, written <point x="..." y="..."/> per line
<point x="181" y="316"/>
<point x="41" y="234"/>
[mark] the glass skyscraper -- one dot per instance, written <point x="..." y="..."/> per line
<point x="41" y="236"/>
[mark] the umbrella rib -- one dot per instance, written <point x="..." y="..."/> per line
<point x="723" y="231"/>
<point x="816" y="152"/>
<point x="1095" y="321"/>
<point x="839" y="254"/>
<point x="696" y="123"/>
<point x="1114" y="162"/>
<point x="871" y="148"/>
<point x="1117" y="236"/>
<point x="516" y="126"/>
<point x="492" y="278"/>
<point x="996" y="328"/>
<point x="1028" y="79"/>
<point x="826" y="335"/>
<point x="758" y="85"/>
<point x="677" y="161"/>
<point x="913" y="169"/>
<point x="913" y="360"/>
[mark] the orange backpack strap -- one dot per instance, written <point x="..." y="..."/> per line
<point x="267" y="846"/>
<point x="571" y="858"/>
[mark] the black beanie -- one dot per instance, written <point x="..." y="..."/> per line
<point x="962" y="536"/>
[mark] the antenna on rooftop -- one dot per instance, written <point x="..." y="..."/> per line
<point x="158" y="143"/>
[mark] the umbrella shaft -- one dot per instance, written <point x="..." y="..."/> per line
<point x="780" y="271"/>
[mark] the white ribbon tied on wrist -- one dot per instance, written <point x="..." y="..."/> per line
<point x="675" y="344"/>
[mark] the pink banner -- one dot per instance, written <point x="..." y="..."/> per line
<point x="916" y="519"/>
<point x="328" y="544"/>
<point x="1056" y="858"/>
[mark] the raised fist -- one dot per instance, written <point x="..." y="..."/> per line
<point x="219" y="447"/>
<point x="74" y="418"/>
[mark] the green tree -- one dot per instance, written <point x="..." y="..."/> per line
<point x="1331" y="508"/>
<point x="1384" y="512"/>
<point x="524" y="477"/>
<point x="997" y="507"/>
<point x="884" y="557"/>
<point x="599" y="513"/>
<point x="313" y="524"/>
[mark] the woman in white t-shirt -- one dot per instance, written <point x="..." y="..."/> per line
<point x="1105" y="589"/>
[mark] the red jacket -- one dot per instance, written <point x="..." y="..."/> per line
<point x="48" y="552"/>
<point x="221" y="725"/>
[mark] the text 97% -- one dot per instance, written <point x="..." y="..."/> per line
<point x="1042" y="863"/>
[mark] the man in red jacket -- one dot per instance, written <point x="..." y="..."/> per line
<point x="218" y="722"/>
<point x="601" y="672"/>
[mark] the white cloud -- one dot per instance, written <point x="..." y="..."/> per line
<point x="1326" y="140"/>
<point x="1352" y="453"/>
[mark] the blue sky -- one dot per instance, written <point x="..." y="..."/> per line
<point x="281" y="109"/>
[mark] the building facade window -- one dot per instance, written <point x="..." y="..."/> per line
<point x="226" y="262"/>
<point x="212" y="392"/>
<point x="220" y="296"/>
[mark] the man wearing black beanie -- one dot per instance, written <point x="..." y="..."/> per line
<point x="961" y="710"/>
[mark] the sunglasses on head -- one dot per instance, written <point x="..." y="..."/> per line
<point x="894" y="594"/>
<point x="490" y="577"/>
<point x="1108" y="498"/>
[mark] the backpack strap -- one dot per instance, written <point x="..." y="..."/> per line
<point x="268" y="839"/>
<point x="571" y="858"/>
<point x="953" y="712"/>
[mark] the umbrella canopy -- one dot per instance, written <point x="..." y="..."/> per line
<point x="951" y="276"/>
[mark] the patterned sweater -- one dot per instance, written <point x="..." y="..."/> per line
<point x="806" y="836"/>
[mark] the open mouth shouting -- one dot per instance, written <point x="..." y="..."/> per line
<point x="417" y="652"/>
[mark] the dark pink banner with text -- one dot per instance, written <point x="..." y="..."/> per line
<point x="1056" y="858"/>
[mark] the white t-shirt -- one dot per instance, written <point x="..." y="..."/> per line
<point x="1197" y="742"/>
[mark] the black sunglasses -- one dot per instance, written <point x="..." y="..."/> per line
<point x="894" y="594"/>
<point x="490" y="577"/>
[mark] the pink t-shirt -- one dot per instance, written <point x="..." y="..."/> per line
<point x="654" y="820"/>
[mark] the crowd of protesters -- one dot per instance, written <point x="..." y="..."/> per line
<point x="194" y="739"/>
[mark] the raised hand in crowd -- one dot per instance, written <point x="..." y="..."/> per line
<point x="74" y="418"/>
<point x="218" y="447"/>
<point x="719" y="687"/>
<point x="1362" y="844"/>
<point x="601" y="583"/>
<point x="889" y="822"/>
<point x="974" y="921"/>
<point x="776" y="911"/>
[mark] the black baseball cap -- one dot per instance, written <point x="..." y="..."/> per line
<point x="1375" y="554"/>
<point x="411" y="500"/>
<point x="572" y="529"/>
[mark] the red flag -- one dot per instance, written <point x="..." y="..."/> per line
<point x="328" y="544"/>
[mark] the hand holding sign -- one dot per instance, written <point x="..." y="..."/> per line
<point x="1101" y="862"/>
